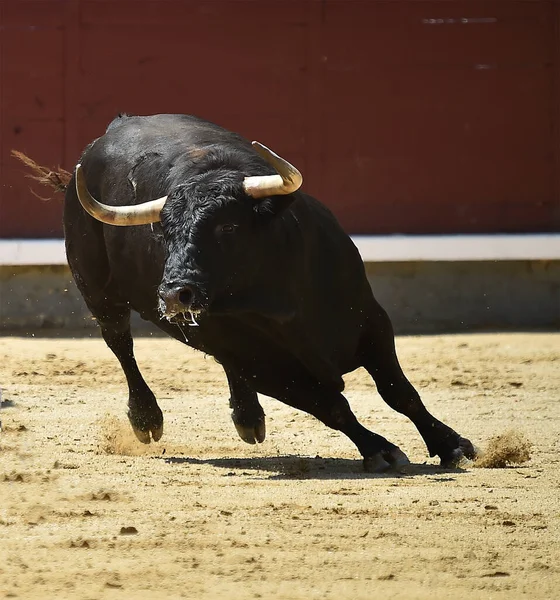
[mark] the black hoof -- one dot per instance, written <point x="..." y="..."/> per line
<point x="252" y="434"/>
<point x="459" y="456"/>
<point x="147" y="426"/>
<point x="382" y="461"/>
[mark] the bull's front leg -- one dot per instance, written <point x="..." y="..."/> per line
<point x="144" y="414"/>
<point x="247" y="414"/>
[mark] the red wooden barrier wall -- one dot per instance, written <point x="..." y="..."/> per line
<point x="404" y="116"/>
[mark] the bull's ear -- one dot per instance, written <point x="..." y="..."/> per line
<point x="268" y="208"/>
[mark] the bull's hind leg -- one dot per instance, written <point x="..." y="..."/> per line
<point x="247" y="414"/>
<point x="379" y="357"/>
<point x="332" y="408"/>
<point x="144" y="414"/>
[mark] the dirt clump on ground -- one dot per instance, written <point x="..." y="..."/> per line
<point x="117" y="438"/>
<point x="509" y="448"/>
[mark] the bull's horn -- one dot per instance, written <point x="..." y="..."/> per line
<point x="288" y="180"/>
<point x="139" y="214"/>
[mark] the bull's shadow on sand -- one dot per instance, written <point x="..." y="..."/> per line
<point x="299" y="467"/>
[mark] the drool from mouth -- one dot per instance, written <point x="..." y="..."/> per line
<point x="182" y="319"/>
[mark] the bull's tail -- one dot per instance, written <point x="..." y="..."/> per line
<point x="56" y="179"/>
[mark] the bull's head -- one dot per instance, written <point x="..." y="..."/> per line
<point x="209" y="227"/>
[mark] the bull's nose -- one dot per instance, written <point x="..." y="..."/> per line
<point x="186" y="296"/>
<point x="177" y="299"/>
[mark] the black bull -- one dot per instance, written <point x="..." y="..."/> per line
<point x="270" y="286"/>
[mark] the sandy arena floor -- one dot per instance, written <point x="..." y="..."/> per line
<point x="87" y="512"/>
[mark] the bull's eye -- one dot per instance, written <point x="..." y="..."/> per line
<point x="227" y="228"/>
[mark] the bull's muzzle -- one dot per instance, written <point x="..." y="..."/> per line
<point x="184" y="298"/>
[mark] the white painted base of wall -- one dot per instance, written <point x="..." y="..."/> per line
<point x="373" y="248"/>
<point x="32" y="252"/>
<point x="392" y="248"/>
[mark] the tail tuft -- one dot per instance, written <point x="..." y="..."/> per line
<point x="58" y="180"/>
